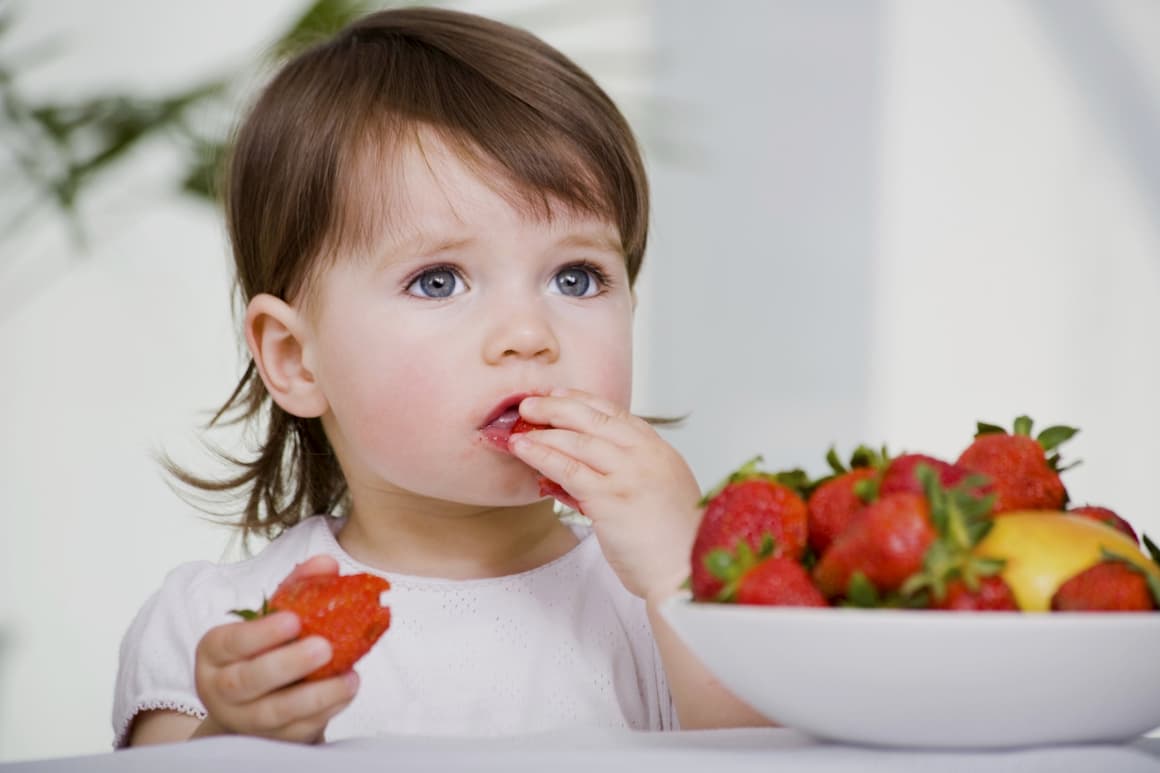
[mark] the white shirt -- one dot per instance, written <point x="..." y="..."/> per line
<point x="563" y="645"/>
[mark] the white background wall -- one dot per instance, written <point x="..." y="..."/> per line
<point x="889" y="219"/>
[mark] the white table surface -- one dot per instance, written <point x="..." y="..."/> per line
<point x="765" y="750"/>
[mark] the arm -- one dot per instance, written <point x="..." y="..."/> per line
<point x="702" y="702"/>
<point x="641" y="495"/>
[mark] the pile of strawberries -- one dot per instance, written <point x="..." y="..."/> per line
<point x="900" y="532"/>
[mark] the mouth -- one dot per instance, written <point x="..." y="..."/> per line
<point x="497" y="427"/>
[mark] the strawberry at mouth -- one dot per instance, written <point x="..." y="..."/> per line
<point x="497" y="428"/>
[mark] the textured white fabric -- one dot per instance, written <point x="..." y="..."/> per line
<point x="563" y="645"/>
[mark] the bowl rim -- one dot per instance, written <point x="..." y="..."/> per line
<point x="683" y="600"/>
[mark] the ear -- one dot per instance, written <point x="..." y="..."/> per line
<point x="279" y="343"/>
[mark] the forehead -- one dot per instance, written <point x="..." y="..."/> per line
<point x="423" y="187"/>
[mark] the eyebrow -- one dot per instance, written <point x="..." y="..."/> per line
<point x="601" y="241"/>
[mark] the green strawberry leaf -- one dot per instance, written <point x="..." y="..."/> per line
<point x="834" y="462"/>
<point x="1023" y="425"/>
<point x="860" y="592"/>
<point x="983" y="428"/>
<point x="1152" y="549"/>
<point x="1053" y="437"/>
<point x="867" y="490"/>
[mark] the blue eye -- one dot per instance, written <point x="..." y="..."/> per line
<point x="578" y="281"/>
<point x="441" y="282"/>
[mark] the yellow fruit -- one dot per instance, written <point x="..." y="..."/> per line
<point x="1045" y="549"/>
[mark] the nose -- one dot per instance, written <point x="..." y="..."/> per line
<point x="521" y="333"/>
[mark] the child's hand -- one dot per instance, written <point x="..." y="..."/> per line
<point x="638" y="491"/>
<point x="246" y="674"/>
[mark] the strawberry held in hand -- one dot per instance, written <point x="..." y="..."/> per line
<point x="747" y="506"/>
<point x="343" y="609"/>
<point x="548" y="487"/>
<point x="1023" y="477"/>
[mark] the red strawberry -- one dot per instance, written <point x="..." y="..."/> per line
<point x="993" y="594"/>
<point x="1022" y="475"/>
<point x="747" y="506"/>
<point x="833" y="505"/>
<point x="548" y="487"/>
<point x="1107" y="516"/>
<point x="900" y="474"/>
<point x="344" y="609"/>
<point x="835" y="500"/>
<point x="885" y="544"/>
<point x="763" y="578"/>
<point x="1109" y="586"/>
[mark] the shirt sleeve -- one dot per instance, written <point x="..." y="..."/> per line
<point x="155" y="668"/>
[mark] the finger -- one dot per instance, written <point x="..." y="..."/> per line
<point x="301" y="702"/>
<point x="233" y="642"/>
<point x="576" y="478"/>
<point x="249" y="680"/>
<point x="313" y="729"/>
<point x="569" y="413"/>
<point x="593" y="451"/>
<point x="594" y="401"/>
<point x="315" y="565"/>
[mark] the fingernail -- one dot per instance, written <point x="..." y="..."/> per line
<point x="352" y="681"/>
<point x="518" y="441"/>
<point x="558" y="391"/>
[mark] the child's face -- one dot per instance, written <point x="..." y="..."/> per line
<point x="468" y="304"/>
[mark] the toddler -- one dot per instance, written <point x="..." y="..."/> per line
<point x="436" y="221"/>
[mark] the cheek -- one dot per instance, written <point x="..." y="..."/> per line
<point x="608" y="354"/>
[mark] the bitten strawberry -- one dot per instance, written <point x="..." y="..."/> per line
<point x="993" y="594"/>
<point x="747" y="506"/>
<point x="1109" y="586"/>
<point x="1022" y="475"/>
<point x="344" y="609"/>
<point x="836" y="499"/>
<point x="1107" y="516"/>
<point x="548" y="487"/>
<point x="763" y="578"/>
<point x="885" y="544"/>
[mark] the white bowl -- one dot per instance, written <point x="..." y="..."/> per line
<point x="918" y="678"/>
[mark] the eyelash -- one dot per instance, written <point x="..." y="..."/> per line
<point x="603" y="281"/>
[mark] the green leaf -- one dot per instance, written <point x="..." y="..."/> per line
<point x="834" y="462"/>
<point x="860" y="592"/>
<point x="720" y="564"/>
<point x="1152" y="549"/>
<point x="982" y="428"/>
<point x="867" y="490"/>
<point x="1053" y="437"/>
<point x="1023" y="425"/>
<point x="245" y="614"/>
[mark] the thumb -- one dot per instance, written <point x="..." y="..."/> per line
<point x="315" y="565"/>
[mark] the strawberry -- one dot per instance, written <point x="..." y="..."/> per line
<point x="1022" y="475"/>
<point x="993" y="594"/>
<point x="763" y="578"/>
<point x="344" y="609"/>
<point x="884" y="545"/>
<point x="899" y="475"/>
<point x="747" y="506"/>
<point x="548" y="487"/>
<point x="1109" y="586"/>
<point x="1106" y="516"/>
<point x="834" y="504"/>
<point x="835" y="500"/>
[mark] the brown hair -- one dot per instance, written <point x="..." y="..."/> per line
<point x="502" y="98"/>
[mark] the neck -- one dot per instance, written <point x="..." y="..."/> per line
<point x="457" y="542"/>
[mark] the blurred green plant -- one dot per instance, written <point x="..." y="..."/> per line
<point x="54" y="150"/>
<point x="51" y="152"/>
